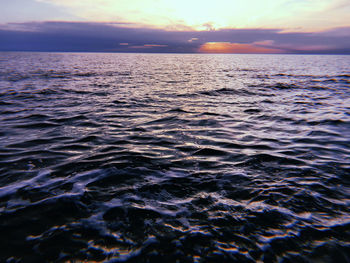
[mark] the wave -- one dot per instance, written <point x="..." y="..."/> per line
<point x="103" y="158"/>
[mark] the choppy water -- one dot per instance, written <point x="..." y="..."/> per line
<point x="164" y="158"/>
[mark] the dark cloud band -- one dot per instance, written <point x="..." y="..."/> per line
<point x="107" y="37"/>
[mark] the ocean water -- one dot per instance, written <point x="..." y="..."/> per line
<point x="174" y="158"/>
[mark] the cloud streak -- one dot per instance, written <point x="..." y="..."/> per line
<point x="121" y="37"/>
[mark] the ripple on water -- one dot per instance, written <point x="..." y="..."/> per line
<point x="102" y="158"/>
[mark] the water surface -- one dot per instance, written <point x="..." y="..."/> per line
<point x="188" y="158"/>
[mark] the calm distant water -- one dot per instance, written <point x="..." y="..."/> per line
<point x="164" y="158"/>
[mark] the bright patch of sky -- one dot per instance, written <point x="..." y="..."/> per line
<point x="291" y="15"/>
<point x="18" y="11"/>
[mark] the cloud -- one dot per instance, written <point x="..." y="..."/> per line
<point x="264" y="43"/>
<point x="154" y="45"/>
<point x="119" y="37"/>
<point x="270" y="44"/>
<point x="192" y="39"/>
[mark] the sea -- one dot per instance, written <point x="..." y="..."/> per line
<point x="174" y="157"/>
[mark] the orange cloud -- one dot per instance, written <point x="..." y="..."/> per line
<point x="226" y="47"/>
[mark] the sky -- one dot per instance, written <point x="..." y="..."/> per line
<point x="186" y="26"/>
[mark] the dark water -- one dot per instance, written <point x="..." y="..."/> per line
<point x="165" y="158"/>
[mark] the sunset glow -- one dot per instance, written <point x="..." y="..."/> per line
<point x="225" y="47"/>
<point x="184" y="15"/>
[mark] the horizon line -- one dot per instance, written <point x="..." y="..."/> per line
<point x="189" y="53"/>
